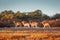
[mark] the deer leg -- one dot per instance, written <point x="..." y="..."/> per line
<point x="44" y="26"/>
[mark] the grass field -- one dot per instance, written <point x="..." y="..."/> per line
<point x="29" y="34"/>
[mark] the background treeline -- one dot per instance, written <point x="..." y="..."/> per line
<point x="35" y="15"/>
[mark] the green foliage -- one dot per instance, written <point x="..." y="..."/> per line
<point x="45" y="17"/>
<point x="35" y="15"/>
<point x="19" y="15"/>
<point x="56" y="16"/>
<point x="6" y="15"/>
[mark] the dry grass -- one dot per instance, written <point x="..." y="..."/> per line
<point x="29" y="35"/>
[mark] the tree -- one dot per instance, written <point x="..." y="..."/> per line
<point x="36" y="15"/>
<point x="56" y="16"/>
<point x="7" y="15"/>
<point x="19" y="15"/>
<point x="45" y="17"/>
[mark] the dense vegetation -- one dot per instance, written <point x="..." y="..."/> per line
<point x="35" y="15"/>
<point x="7" y="17"/>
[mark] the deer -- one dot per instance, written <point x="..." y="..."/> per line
<point x="33" y="24"/>
<point x="17" y="23"/>
<point x="45" y="24"/>
<point x="25" y="24"/>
